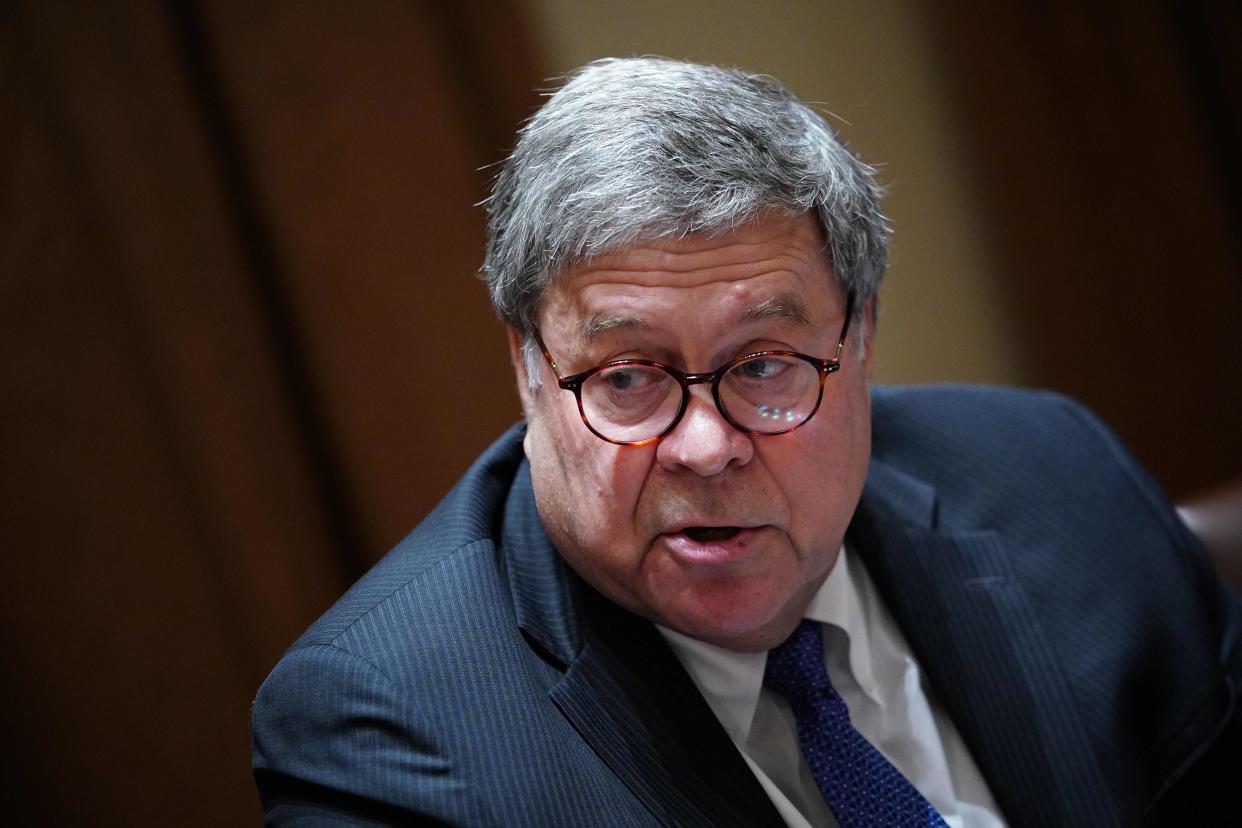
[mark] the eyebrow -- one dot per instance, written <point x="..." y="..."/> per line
<point x="600" y="323"/>
<point x="784" y="306"/>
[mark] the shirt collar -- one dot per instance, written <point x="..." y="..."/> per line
<point x="847" y="601"/>
<point x="731" y="681"/>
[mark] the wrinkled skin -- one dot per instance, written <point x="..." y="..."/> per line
<point x="617" y="513"/>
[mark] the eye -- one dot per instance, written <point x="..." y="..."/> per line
<point x="619" y="380"/>
<point x="628" y="383"/>
<point x="628" y="394"/>
<point x="762" y="369"/>
<point x="759" y="368"/>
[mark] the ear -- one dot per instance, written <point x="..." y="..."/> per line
<point x="518" y="361"/>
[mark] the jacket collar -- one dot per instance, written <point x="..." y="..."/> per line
<point x="971" y="622"/>
<point x="544" y="599"/>
<point x="968" y="621"/>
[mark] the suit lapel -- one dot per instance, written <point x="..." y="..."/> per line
<point x="623" y="690"/>
<point x="631" y="700"/>
<point x="543" y="597"/>
<point x="968" y="620"/>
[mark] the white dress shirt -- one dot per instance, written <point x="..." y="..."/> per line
<point x="871" y="666"/>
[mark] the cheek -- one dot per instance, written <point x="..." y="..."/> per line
<point x="823" y="476"/>
<point x="587" y="487"/>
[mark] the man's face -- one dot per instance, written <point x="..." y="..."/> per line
<point x="619" y="515"/>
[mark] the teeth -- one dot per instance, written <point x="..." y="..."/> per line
<point x="711" y="533"/>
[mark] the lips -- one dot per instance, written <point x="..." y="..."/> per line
<point x="712" y="545"/>
<point x="708" y="534"/>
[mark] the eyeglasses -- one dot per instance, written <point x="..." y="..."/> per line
<point x="632" y="402"/>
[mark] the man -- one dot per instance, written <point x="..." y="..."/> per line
<point x="714" y="579"/>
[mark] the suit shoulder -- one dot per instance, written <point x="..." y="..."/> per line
<point x="334" y="735"/>
<point x="983" y="424"/>
<point x="980" y="412"/>
<point x="991" y="448"/>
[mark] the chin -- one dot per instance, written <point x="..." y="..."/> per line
<point x="734" y="621"/>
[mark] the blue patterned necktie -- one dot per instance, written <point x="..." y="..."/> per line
<point x="862" y="788"/>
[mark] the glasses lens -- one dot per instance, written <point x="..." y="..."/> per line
<point x="629" y="402"/>
<point x="770" y="394"/>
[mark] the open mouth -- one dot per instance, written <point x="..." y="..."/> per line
<point x="707" y="534"/>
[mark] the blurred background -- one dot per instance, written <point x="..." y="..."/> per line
<point x="243" y="350"/>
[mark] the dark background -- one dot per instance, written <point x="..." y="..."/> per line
<point x="242" y="350"/>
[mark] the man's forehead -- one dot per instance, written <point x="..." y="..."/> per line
<point x="786" y="305"/>
<point x="774" y="268"/>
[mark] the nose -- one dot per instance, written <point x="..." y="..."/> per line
<point x="703" y="442"/>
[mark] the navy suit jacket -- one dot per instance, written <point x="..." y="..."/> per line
<point x="1066" y="620"/>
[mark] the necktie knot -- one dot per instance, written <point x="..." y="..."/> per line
<point x="860" y="785"/>
<point x="795" y="669"/>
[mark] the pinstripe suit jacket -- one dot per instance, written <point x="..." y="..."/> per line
<point x="1064" y="617"/>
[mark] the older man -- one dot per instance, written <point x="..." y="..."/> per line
<point x="714" y="579"/>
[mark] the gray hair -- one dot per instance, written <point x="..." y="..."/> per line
<point x="643" y="149"/>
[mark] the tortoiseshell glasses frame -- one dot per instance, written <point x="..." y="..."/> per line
<point x="824" y="368"/>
